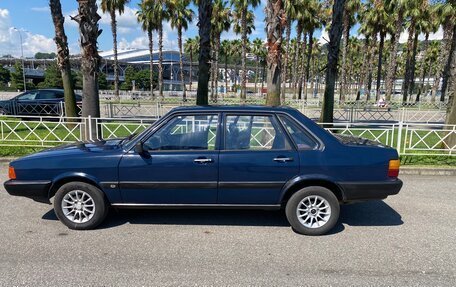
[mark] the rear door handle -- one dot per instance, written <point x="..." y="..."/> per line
<point x="203" y="160"/>
<point x="283" y="159"/>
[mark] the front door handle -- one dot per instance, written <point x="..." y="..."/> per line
<point x="203" y="160"/>
<point x="283" y="159"/>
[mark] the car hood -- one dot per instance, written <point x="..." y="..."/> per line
<point x="358" y="141"/>
<point x="95" y="147"/>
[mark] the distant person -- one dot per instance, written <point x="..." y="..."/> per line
<point x="382" y="103"/>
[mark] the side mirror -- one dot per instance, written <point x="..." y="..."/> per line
<point x="139" y="149"/>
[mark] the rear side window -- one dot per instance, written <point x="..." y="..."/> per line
<point x="302" y="139"/>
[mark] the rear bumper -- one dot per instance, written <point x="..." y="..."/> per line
<point x="359" y="191"/>
<point x="36" y="189"/>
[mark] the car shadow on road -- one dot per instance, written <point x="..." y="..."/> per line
<point x="373" y="213"/>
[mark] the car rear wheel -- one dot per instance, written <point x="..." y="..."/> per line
<point x="80" y="205"/>
<point x="313" y="210"/>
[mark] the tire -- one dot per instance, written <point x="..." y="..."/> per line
<point x="84" y="203"/>
<point x="311" y="219"/>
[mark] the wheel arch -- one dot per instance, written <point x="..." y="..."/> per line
<point x="71" y="177"/>
<point x="299" y="183"/>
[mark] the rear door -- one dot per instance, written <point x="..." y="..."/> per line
<point x="257" y="159"/>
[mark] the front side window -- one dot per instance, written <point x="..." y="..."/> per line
<point x="299" y="136"/>
<point x="252" y="132"/>
<point x="49" y="95"/>
<point x="189" y="132"/>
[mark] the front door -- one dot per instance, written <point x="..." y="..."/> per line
<point x="256" y="161"/>
<point x="179" y="165"/>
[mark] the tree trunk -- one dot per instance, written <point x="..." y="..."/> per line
<point x="407" y="77"/>
<point x="204" y="65"/>
<point x="216" y="70"/>
<point x="181" y="63"/>
<point x="301" y="66"/>
<point x="63" y="58"/>
<point x="451" y="92"/>
<point x="335" y="33"/>
<point x="423" y="68"/>
<point x="296" y="59"/>
<point x="257" y="70"/>
<point x="87" y="19"/>
<point x="114" y="45"/>
<point x="226" y="73"/>
<point x="346" y="35"/>
<point x="413" y="64"/>
<point x="379" y="65"/>
<point x="391" y="73"/>
<point x="151" y="66"/>
<point x="274" y="31"/>
<point x="447" y="71"/>
<point x="244" y="54"/>
<point x="444" y="50"/>
<point x="160" y="59"/>
<point x="364" y="73"/>
<point x="309" y="58"/>
<point x="285" y="65"/>
<point x="191" y="68"/>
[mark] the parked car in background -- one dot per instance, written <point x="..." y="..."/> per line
<point x="213" y="157"/>
<point x="44" y="102"/>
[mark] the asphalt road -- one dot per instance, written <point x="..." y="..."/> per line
<point x="406" y="240"/>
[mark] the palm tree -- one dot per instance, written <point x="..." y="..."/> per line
<point x="221" y="21"/>
<point x="446" y="15"/>
<point x="191" y="47"/>
<point x="226" y="50"/>
<point x="335" y="34"/>
<point x="349" y="19"/>
<point x="291" y="8"/>
<point x="180" y="15"/>
<point x="162" y="13"/>
<point x="451" y="110"/>
<point x="236" y="52"/>
<point x="63" y="58"/>
<point x="204" y="66"/>
<point x="257" y="49"/>
<point x="274" y="30"/>
<point x="146" y="16"/>
<point x="397" y="7"/>
<point x="87" y="18"/>
<point x="111" y="7"/>
<point x="241" y="8"/>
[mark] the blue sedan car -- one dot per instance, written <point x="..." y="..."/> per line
<point x="213" y="157"/>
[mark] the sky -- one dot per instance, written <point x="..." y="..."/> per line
<point x="33" y="19"/>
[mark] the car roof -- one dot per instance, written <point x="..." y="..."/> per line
<point x="52" y="90"/>
<point x="232" y="108"/>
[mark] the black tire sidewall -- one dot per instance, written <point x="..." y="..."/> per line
<point x="101" y="207"/>
<point x="296" y="198"/>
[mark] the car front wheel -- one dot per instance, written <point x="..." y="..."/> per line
<point x="312" y="210"/>
<point x="80" y="205"/>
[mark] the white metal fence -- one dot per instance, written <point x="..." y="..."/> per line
<point x="407" y="138"/>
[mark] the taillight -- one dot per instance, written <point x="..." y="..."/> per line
<point x="393" y="168"/>
<point x="11" y="173"/>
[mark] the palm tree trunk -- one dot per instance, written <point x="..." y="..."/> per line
<point x="160" y="59"/>
<point x="256" y="73"/>
<point x="226" y="73"/>
<point x="379" y="65"/>
<point x="346" y="35"/>
<point x="445" y="47"/>
<point x="63" y="58"/>
<point x="451" y="92"/>
<point x="191" y="68"/>
<point x="181" y="63"/>
<point x="87" y="19"/>
<point x="285" y="65"/>
<point x="151" y="66"/>
<point x="391" y="73"/>
<point x="204" y="65"/>
<point x="309" y="58"/>
<point x="335" y="33"/>
<point x="364" y="72"/>
<point x="274" y="31"/>
<point x="244" y="54"/>
<point x="370" y="68"/>
<point x="301" y="66"/>
<point x="114" y="45"/>
<point x="295" y="58"/>
<point x="216" y="70"/>
<point x="413" y="63"/>
<point x="406" y="84"/>
<point x="447" y="70"/>
<point x="423" y="68"/>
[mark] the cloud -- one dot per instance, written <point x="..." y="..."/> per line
<point x="10" y="39"/>
<point x="324" y="37"/>
<point x="40" y="9"/>
<point x="142" y="42"/>
<point x="433" y="36"/>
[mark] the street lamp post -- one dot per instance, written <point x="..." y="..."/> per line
<point x="22" y="57"/>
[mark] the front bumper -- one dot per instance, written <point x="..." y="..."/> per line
<point x="360" y="191"/>
<point x="36" y="189"/>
